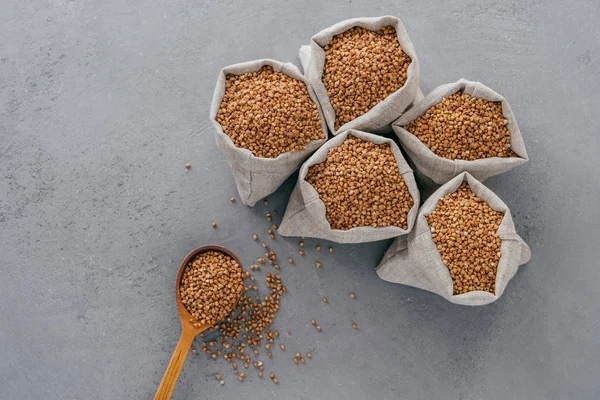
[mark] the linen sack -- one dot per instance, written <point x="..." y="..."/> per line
<point x="258" y="177"/>
<point x="414" y="260"/>
<point x="440" y="169"/>
<point x="386" y="111"/>
<point x="305" y="212"/>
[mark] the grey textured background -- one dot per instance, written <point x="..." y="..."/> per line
<point x="101" y="104"/>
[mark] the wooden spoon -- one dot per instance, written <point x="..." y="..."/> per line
<point x="188" y="330"/>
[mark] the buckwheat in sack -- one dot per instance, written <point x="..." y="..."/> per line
<point x="267" y="122"/>
<point x="469" y="261"/>
<point x="362" y="78"/>
<point x="356" y="188"/>
<point x="461" y="127"/>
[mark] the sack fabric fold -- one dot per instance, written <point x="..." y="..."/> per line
<point x="258" y="177"/>
<point x="305" y="212"/>
<point x="414" y="260"/>
<point x="386" y="111"/>
<point x="440" y="169"/>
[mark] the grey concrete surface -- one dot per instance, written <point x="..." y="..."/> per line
<point x="102" y="103"/>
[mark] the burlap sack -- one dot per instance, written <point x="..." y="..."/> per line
<point x="415" y="261"/>
<point x="386" y="111"/>
<point x="440" y="169"/>
<point x="305" y="212"/>
<point x="257" y="177"/>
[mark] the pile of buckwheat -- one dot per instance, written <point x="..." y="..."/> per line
<point x="211" y="286"/>
<point x="361" y="69"/>
<point x="360" y="184"/>
<point x="245" y="338"/>
<point x="464" y="127"/>
<point x="465" y="230"/>
<point x="241" y="336"/>
<point x="268" y="113"/>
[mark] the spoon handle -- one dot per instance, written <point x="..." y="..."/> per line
<point x="172" y="373"/>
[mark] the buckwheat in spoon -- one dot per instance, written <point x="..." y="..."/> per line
<point x="209" y="284"/>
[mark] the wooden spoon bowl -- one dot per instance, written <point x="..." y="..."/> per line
<point x="188" y="330"/>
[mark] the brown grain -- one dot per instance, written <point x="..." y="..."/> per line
<point x="361" y="69"/>
<point x="211" y="286"/>
<point x="360" y="184"/>
<point x="268" y="113"/>
<point x="464" y="127"/>
<point x="465" y="231"/>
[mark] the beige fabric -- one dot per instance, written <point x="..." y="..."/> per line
<point x="305" y="213"/>
<point x="386" y="111"/>
<point x="415" y="261"/>
<point x="441" y="170"/>
<point x="257" y="177"/>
